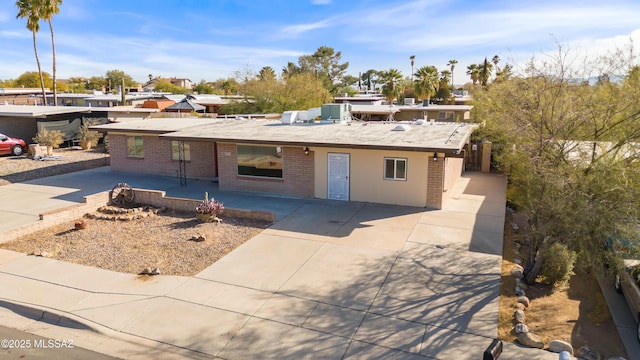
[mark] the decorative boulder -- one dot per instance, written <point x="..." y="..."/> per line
<point x="523" y="300"/>
<point x="531" y="340"/>
<point x="520" y="306"/>
<point x="521" y="284"/>
<point x="559" y="346"/>
<point x="521" y="328"/>
<point x="519" y="291"/>
<point x="520" y="317"/>
<point x="588" y="353"/>
<point x="517" y="273"/>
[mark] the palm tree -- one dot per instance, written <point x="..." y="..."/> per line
<point x="452" y="63"/>
<point x="290" y="69"/>
<point x="29" y="9"/>
<point x="412" y="58"/>
<point x="427" y="82"/>
<point x="485" y="72"/>
<point x="390" y="88"/>
<point x="50" y="8"/>
<point x="474" y="72"/>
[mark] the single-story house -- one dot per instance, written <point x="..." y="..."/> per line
<point x="22" y="96"/>
<point x="441" y="113"/>
<point x="412" y="163"/>
<point x="24" y="121"/>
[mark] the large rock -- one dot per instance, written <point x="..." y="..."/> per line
<point x="521" y="328"/>
<point x="523" y="300"/>
<point x="520" y="306"/>
<point x="521" y="284"/>
<point x="519" y="317"/>
<point x="531" y="340"/>
<point x="588" y="353"/>
<point x="559" y="346"/>
<point x="517" y="273"/>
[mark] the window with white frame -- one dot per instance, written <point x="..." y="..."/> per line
<point x="175" y="150"/>
<point x="135" y="146"/>
<point x="395" y="169"/>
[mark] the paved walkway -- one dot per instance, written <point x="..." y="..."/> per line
<point x="329" y="280"/>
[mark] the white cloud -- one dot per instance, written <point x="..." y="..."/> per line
<point x="295" y="30"/>
<point x="321" y="2"/>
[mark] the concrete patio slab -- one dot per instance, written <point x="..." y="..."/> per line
<point x="8" y="255"/>
<point x="366" y="351"/>
<point x="202" y="328"/>
<point x="249" y="267"/>
<point x="25" y="290"/>
<point x="341" y="275"/>
<point x="272" y="340"/>
<point x="371" y="236"/>
<point x="286" y="309"/>
<point x="198" y="291"/>
<point x="445" y="344"/>
<point x="392" y="333"/>
<point x="241" y="300"/>
<point x="143" y="285"/>
<point x="100" y="308"/>
<point x="334" y="320"/>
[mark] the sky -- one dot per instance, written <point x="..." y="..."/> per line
<point x="213" y="39"/>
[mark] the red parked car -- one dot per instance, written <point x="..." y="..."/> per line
<point x="9" y="145"/>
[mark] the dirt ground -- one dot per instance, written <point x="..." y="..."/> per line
<point x="578" y="315"/>
<point x="163" y="241"/>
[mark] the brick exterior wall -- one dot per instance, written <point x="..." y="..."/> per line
<point x="297" y="173"/>
<point x="157" y="157"/>
<point x="435" y="183"/>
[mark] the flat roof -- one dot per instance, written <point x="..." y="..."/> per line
<point x="375" y="135"/>
<point x="42" y="111"/>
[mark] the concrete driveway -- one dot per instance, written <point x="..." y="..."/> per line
<point x="329" y="280"/>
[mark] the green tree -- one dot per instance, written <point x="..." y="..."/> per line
<point x="290" y="69"/>
<point x="31" y="10"/>
<point x="114" y="79"/>
<point x="9" y="83"/>
<point x="570" y="149"/>
<point x="484" y="73"/>
<point x="166" y="86"/>
<point x="96" y="83"/>
<point x="50" y="8"/>
<point x="267" y="74"/>
<point x="326" y="65"/>
<point x="32" y="79"/>
<point x="452" y="63"/>
<point x="426" y="82"/>
<point x="300" y="91"/>
<point x="391" y="84"/>
<point x="204" y="88"/>
<point x="444" y="93"/>
<point x="474" y="72"/>
<point x="370" y="78"/>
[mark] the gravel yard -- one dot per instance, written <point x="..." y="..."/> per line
<point x="15" y="169"/>
<point x="164" y="241"/>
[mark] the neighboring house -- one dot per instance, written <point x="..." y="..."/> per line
<point x="159" y="104"/>
<point x="111" y="100"/>
<point x="24" y="121"/>
<point x="440" y="113"/>
<point x="124" y="113"/>
<point x="182" y="82"/>
<point x="391" y="163"/>
<point x="22" y="96"/>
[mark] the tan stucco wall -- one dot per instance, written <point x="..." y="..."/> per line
<point x="366" y="170"/>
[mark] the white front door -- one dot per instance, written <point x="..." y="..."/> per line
<point x="338" y="184"/>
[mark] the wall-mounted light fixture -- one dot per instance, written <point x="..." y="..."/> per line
<point x="435" y="156"/>
<point x="306" y="150"/>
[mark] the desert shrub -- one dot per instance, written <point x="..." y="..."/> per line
<point x="89" y="135"/>
<point x="52" y="138"/>
<point x="558" y="263"/>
